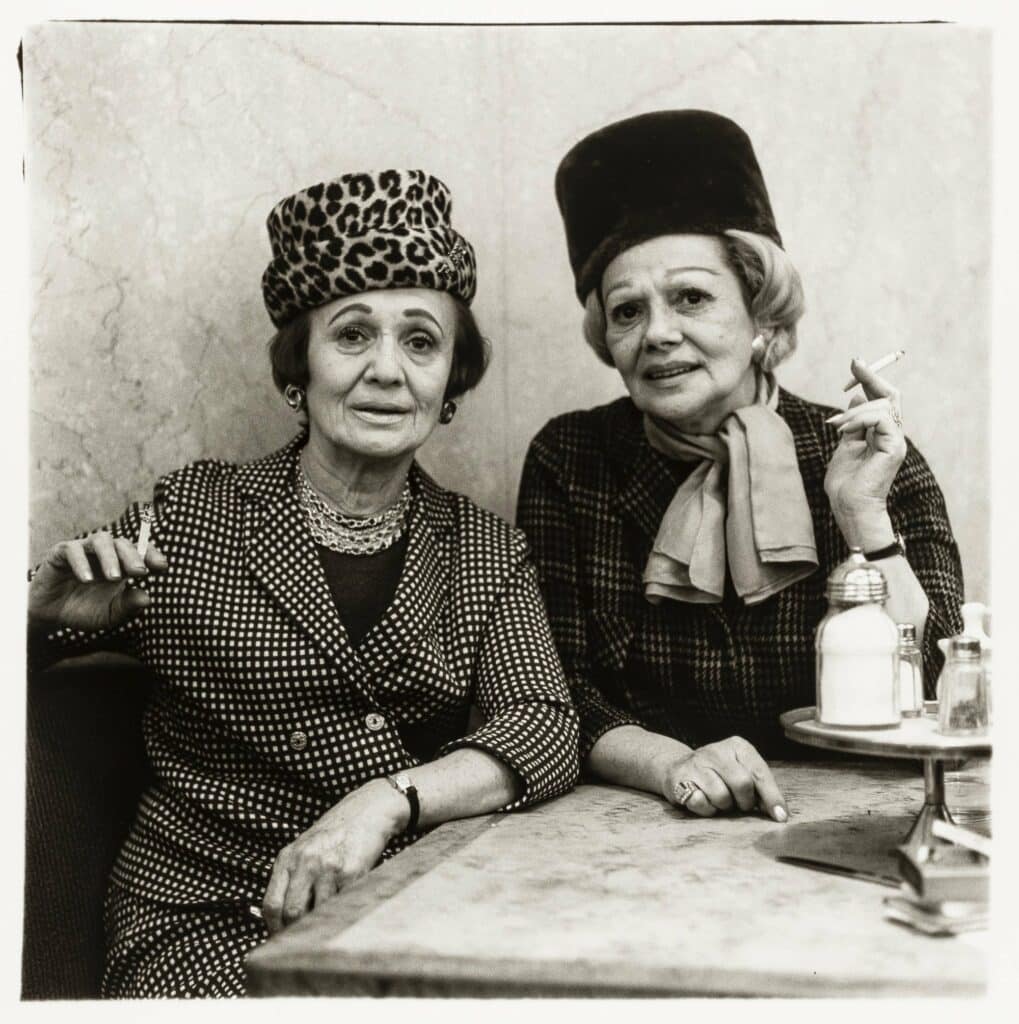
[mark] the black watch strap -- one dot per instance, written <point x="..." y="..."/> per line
<point x="897" y="547"/>
<point x="403" y="785"/>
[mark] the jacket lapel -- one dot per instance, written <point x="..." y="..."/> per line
<point x="647" y="481"/>
<point x="280" y="553"/>
<point x="423" y="584"/>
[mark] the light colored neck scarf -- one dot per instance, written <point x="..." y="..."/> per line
<point x="743" y="505"/>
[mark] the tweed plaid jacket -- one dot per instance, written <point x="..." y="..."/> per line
<point x="263" y="715"/>
<point x="592" y="495"/>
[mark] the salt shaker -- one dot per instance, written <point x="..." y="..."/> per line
<point x="857" y="650"/>
<point x="910" y="672"/>
<point x="962" y="705"/>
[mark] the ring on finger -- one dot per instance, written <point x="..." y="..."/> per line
<point x="896" y="416"/>
<point x="685" y="792"/>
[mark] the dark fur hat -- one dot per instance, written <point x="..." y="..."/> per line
<point x="667" y="172"/>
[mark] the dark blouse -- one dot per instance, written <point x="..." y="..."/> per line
<point x="592" y="496"/>
<point x="363" y="586"/>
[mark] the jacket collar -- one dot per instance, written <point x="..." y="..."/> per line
<point x="280" y="552"/>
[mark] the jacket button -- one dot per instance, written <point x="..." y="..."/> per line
<point x="298" y="740"/>
<point x="375" y="721"/>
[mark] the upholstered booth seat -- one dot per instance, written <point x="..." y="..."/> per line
<point x="86" y="768"/>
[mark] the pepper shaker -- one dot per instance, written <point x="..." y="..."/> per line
<point x="962" y="706"/>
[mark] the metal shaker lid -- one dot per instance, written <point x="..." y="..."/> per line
<point x="964" y="647"/>
<point x="856" y="581"/>
<point x="907" y="632"/>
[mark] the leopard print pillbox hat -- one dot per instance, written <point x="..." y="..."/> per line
<point x="360" y="232"/>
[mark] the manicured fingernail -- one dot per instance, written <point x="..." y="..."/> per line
<point x="832" y="419"/>
<point x="779" y="813"/>
<point x="114" y="574"/>
<point x="88" y="575"/>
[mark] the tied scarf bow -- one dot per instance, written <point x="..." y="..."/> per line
<point x="743" y="506"/>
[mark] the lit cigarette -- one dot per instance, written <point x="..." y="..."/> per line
<point x="892" y="357"/>
<point x="144" y="532"/>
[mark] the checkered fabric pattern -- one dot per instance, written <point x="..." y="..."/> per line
<point x="592" y="495"/>
<point x="264" y="715"/>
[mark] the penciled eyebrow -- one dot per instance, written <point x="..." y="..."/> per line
<point x="354" y="307"/>
<point x="424" y="313"/>
<point x="360" y="307"/>
<point x="625" y="283"/>
<point x="668" y="273"/>
<point x="680" y="270"/>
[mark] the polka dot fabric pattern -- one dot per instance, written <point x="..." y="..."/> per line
<point x="181" y="952"/>
<point x="592" y="495"/>
<point x="361" y="232"/>
<point x="264" y="715"/>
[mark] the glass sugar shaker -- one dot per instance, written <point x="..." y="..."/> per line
<point x="910" y="672"/>
<point x="962" y="705"/>
<point x="857" y="649"/>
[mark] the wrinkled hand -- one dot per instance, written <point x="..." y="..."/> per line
<point x="344" y="844"/>
<point x="870" y="451"/>
<point x="729" y="774"/>
<point x="82" y="584"/>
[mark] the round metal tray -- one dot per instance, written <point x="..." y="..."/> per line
<point x="913" y="738"/>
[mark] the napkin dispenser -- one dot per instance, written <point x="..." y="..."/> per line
<point x="945" y="872"/>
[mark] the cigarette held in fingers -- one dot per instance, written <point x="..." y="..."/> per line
<point x="144" y="532"/>
<point x="892" y="357"/>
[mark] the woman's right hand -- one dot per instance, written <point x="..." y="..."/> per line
<point x="724" y="775"/>
<point x="82" y="584"/>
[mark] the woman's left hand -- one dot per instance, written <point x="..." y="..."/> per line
<point x="344" y="844"/>
<point x="871" y="449"/>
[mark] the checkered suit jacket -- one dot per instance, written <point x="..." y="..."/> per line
<point x="263" y="715"/>
<point x="592" y="495"/>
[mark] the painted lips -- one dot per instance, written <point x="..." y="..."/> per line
<point x="381" y="414"/>
<point x="666" y="373"/>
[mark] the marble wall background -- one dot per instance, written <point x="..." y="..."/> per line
<point x="154" y="152"/>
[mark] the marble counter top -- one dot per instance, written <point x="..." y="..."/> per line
<point x="608" y="891"/>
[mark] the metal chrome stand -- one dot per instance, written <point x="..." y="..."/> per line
<point x="920" y="837"/>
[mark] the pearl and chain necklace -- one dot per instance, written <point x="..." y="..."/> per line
<point x="352" y="535"/>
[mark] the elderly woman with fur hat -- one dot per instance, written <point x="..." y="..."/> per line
<point x="321" y="620"/>
<point x="684" y="533"/>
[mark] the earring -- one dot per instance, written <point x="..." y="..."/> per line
<point x="757" y="347"/>
<point x="448" y="411"/>
<point x="294" y="397"/>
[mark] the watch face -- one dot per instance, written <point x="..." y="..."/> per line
<point x="402" y="781"/>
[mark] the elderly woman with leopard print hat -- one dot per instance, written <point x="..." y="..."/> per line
<point x="321" y="620"/>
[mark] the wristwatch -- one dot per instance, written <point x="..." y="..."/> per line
<point x="897" y="547"/>
<point x="402" y="784"/>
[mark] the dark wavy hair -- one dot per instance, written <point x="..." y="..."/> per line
<point x="288" y="352"/>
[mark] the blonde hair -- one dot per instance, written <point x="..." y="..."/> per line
<point x="771" y="289"/>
